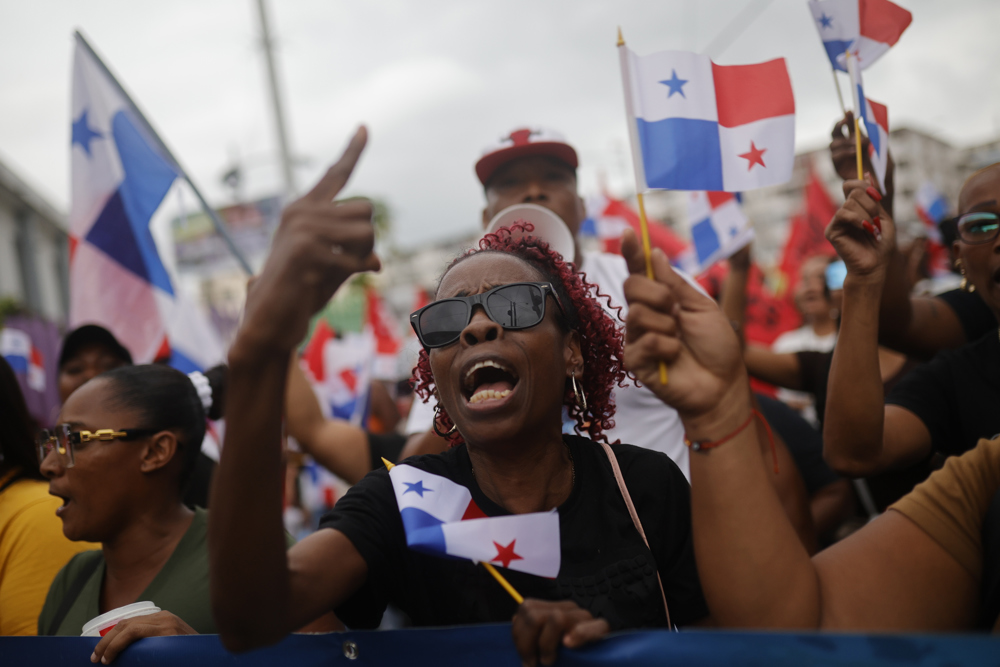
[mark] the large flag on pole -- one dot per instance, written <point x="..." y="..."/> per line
<point x="119" y="179"/>
<point x="441" y="518"/>
<point x="702" y="126"/>
<point x="876" y="119"/>
<point x="867" y="27"/>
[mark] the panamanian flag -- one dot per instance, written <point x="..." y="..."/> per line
<point x="867" y="27"/>
<point x="876" y="119"/>
<point x="23" y="357"/>
<point x="440" y="518"/>
<point x="702" y="126"/>
<point x="718" y="228"/>
<point x="117" y="277"/>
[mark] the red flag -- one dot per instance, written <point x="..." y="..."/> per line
<point x="806" y="236"/>
<point x="767" y="316"/>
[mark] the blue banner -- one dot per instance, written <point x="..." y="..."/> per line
<point x="491" y="645"/>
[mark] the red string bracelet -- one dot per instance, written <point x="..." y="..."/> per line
<point x="699" y="445"/>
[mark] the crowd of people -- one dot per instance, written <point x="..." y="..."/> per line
<point x="684" y="499"/>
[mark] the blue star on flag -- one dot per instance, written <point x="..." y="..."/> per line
<point x="417" y="487"/>
<point x="825" y="20"/>
<point x="84" y="134"/>
<point x="675" y="84"/>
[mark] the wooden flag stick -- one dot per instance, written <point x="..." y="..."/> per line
<point x="647" y="251"/>
<point x="640" y="178"/>
<point x="518" y="598"/>
<point x="857" y="147"/>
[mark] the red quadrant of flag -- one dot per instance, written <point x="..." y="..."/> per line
<point x="748" y="93"/>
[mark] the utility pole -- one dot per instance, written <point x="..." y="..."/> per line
<point x="279" y="115"/>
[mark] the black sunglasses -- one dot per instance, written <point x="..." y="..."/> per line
<point x="512" y="306"/>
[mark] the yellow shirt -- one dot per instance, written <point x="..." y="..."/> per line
<point x="32" y="550"/>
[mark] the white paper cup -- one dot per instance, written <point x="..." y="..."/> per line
<point x="101" y="625"/>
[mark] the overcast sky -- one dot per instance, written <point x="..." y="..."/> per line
<point x="436" y="81"/>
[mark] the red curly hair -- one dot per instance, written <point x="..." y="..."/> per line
<point x="601" y="339"/>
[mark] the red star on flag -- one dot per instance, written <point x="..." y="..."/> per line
<point x="506" y="554"/>
<point x="754" y="156"/>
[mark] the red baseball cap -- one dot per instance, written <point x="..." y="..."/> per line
<point x="523" y="142"/>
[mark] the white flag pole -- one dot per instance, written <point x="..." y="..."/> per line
<point x="220" y="226"/>
<point x="640" y="174"/>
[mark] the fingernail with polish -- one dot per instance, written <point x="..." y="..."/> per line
<point x="868" y="227"/>
<point x="877" y="222"/>
<point x="874" y="194"/>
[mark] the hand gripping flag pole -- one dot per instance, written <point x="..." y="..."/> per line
<point x="639" y="180"/>
<point x="518" y="598"/>
<point x="220" y="226"/>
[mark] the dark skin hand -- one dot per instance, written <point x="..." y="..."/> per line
<point x="160" y="624"/>
<point x="540" y="626"/>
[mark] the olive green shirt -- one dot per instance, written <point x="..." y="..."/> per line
<point x="180" y="587"/>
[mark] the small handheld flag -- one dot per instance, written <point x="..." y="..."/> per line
<point x="876" y="118"/>
<point x="441" y="519"/>
<point x="696" y="125"/>
<point x="718" y="227"/>
<point x="865" y="27"/>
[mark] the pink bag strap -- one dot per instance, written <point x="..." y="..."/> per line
<point x="635" y="520"/>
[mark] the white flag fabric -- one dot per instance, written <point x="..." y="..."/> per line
<point x="441" y="518"/>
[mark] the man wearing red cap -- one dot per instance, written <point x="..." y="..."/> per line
<point x="529" y="174"/>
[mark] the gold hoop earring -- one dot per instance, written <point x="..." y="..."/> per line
<point x="578" y="395"/>
<point x="965" y="285"/>
<point x="434" y="424"/>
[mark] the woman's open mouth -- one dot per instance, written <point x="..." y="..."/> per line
<point x="488" y="380"/>
<point x="66" y="502"/>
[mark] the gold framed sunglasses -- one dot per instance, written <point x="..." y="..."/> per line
<point x="66" y="441"/>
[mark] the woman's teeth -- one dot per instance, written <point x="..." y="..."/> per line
<point x="488" y="394"/>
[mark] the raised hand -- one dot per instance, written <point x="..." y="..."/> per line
<point x="319" y="244"/>
<point x="671" y="321"/>
<point x="862" y="232"/>
<point x="540" y="627"/>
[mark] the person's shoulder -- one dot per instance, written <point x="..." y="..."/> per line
<point x="26" y="499"/>
<point x="634" y="461"/>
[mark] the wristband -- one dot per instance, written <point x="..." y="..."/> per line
<point x="700" y="445"/>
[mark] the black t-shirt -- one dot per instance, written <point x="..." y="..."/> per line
<point x="956" y="395"/>
<point x="605" y="567"/>
<point x="803" y="442"/>
<point x="975" y="316"/>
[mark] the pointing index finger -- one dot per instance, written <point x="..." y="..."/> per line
<point x="336" y="176"/>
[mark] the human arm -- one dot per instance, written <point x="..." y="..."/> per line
<point x="753" y="569"/>
<point x="778" y="368"/>
<point x="336" y="444"/>
<point x="260" y="592"/>
<point x="861" y="435"/>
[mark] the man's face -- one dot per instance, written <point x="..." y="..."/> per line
<point x="536" y="180"/>
<point x="88" y="362"/>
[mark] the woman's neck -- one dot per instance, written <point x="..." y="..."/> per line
<point x="536" y="478"/>
<point x="137" y="554"/>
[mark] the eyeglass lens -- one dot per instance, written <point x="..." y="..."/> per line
<point x="978" y="227"/>
<point x="511" y="306"/>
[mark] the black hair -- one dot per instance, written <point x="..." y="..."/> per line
<point x="17" y="441"/>
<point x="164" y="399"/>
